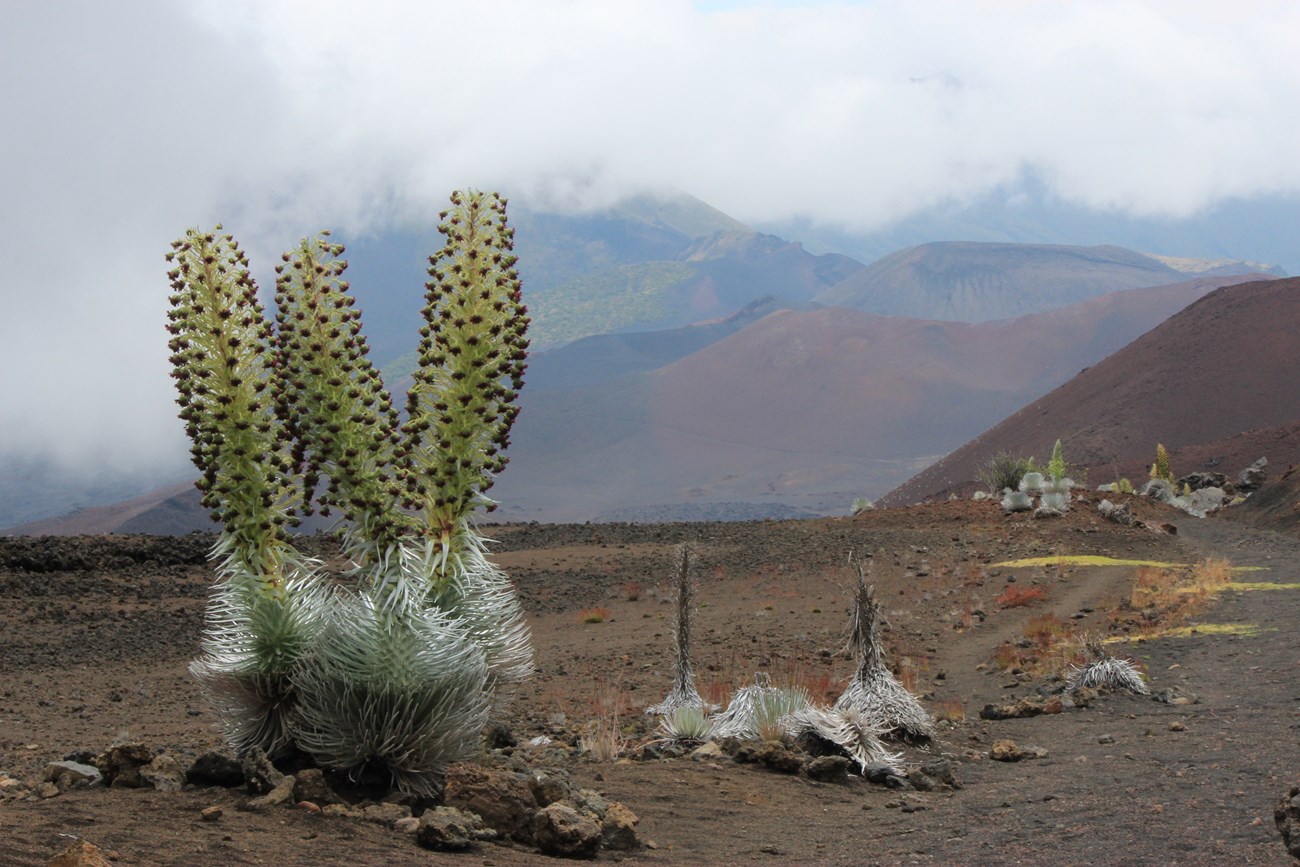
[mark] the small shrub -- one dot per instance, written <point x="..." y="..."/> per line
<point x="950" y="710"/>
<point x="632" y="590"/>
<point x="860" y="505"/>
<point x="593" y="615"/>
<point x="1046" y="630"/>
<point x="1018" y="597"/>
<point x="1007" y="657"/>
<point x="1211" y="573"/>
<point x="1004" y="471"/>
<point x="603" y="740"/>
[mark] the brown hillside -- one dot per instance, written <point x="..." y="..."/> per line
<point x="805" y="408"/>
<point x="1217" y="384"/>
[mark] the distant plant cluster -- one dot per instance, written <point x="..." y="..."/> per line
<point x="874" y="707"/>
<point x="1018" y="480"/>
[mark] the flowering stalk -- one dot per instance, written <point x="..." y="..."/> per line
<point x="333" y="400"/>
<point x="265" y="611"/>
<point x="220" y="342"/>
<point x="471" y="364"/>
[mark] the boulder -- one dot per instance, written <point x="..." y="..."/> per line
<point x="72" y="775"/>
<point x="1253" y="476"/>
<point x="504" y="799"/>
<point x="1208" y="499"/>
<point x="80" y="854"/>
<point x="446" y="829"/>
<point x="121" y="765"/>
<point x="1197" y="481"/>
<point x="260" y="776"/>
<point x="549" y="786"/>
<point x="163" y="773"/>
<point x="1157" y="489"/>
<point x="829" y="769"/>
<point x="773" y="755"/>
<point x="310" y="785"/>
<point x="563" y="831"/>
<point x="618" y="829"/>
<point x="385" y="813"/>
<point x="1006" y="750"/>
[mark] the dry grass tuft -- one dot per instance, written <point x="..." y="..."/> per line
<point x="950" y="710"/>
<point x="593" y="615"/>
<point x="1018" y="597"/>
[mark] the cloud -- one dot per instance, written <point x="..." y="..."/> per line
<point x="128" y="122"/>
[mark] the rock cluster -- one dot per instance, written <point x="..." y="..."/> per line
<point x="509" y="802"/>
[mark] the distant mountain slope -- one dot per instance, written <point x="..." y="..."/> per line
<point x="387" y="270"/>
<point x="711" y="277"/>
<point x="602" y="357"/>
<point x="972" y="282"/>
<point x="807" y="408"/>
<point x="1215" y="383"/>
<point x="1259" y="228"/>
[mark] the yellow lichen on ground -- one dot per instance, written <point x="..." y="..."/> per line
<point x="1246" y="630"/>
<point x="1097" y="560"/>
<point x="1259" y="585"/>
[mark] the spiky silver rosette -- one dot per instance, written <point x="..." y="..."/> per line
<point x="857" y="734"/>
<point x="1108" y="672"/>
<point x="483" y="599"/>
<point x="686" y="725"/>
<point x="683" y="693"/>
<point x="259" y="627"/>
<point x="874" y="691"/>
<point x="402" y="689"/>
<point x="758" y="711"/>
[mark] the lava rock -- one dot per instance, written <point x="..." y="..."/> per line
<point x="80" y="854"/>
<point x="121" y="765"/>
<point x="829" y="769"/>
<point x="72" y="775"/>
<point x="504" y="799"/>
<point x="446" y="829"/>
<point x="163" y="773"/>
<point x="214" y="769"/>
<point x="618" y="830"/>
<point x="260" y="775"/>
<point x="1287" y="818"/>
<point x="561" y="830"/>
<point x="310" y="785"/>
<point x="1253" y="476"/>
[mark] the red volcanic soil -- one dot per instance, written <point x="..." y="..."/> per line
<point x="1216" y="384"/>
<point x="97" y="631"/>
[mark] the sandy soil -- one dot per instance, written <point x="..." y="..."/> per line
<point x="97" y="631"/>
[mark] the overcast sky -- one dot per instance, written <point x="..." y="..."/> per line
<point x="127" y="122"/>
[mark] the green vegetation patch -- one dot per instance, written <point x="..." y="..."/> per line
<point x="604" y="302"/>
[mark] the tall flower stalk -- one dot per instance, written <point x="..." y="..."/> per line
<point x="266" y="607"/>
<point x="402" y="667"/>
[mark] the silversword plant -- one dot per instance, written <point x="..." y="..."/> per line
<point x="400" y="666"/>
